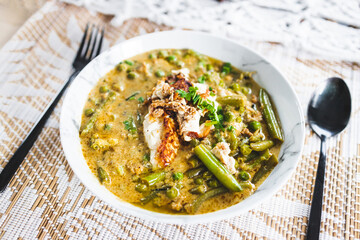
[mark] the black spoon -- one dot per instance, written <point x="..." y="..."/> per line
<point x="328" y="114"/>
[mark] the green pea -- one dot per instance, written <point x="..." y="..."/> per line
<point x="178" y="176"/>
<point x="172" y="193"/>
<point x="103" y="89"/>
<point x="88" y="112"/>
<point x="140" y="187"/>
<point x="213" y="183"/>
<point x="245" y="150"/>
<point x="152" y="56"/>
<point x="236" y="87"/>
<point x="199" y="181"/>
<point x="198" y="189"/>
<point x="160" y="73"/>
<point x="163" y="54"/>
<point x="245" y="90"/>
<point x="128" y="62"/>
<point x="171" y="58"/>
<point x="132" y="75"/>
<point x="243" y="175"/>
<point x="254" y="125"/>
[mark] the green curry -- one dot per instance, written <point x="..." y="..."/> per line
<point x="178" y="132"/>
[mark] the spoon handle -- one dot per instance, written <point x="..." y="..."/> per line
<point x="313" y="230"/>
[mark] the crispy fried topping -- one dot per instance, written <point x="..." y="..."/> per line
<point x="170" y="143"/>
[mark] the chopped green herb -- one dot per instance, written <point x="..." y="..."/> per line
<point x="130" y="125"/>
<point x="202" y="104"/>
<point x="226" y="68"/>
<point x="132" y="96"/>
<point x="201" y="79"/>
<point x="141" y="100"/>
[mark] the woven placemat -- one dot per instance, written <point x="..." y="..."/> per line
<point x="46" y="200"/>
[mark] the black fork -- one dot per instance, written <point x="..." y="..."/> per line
<point x="90" y="47"/>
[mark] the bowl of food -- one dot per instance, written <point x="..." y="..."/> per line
<point x="181" y="127"/>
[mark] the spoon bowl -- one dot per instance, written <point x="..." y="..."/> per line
<point x="328" y="114"/>
<point x="330" y="107"/>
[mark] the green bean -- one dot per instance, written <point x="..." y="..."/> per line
<point x="220" y="172"/>
<point x="140" y="187"/>
<point x="159" y="73"/>
<point x="265" y="168"/>
<point x="172" y="193"/>
<point x="269" y="115"/>
<point x="194" y="162"/>
<point x="102" y="175"/>
<point x="191" y="173"/>
<point x="198" y="189"/>
<point x="233" y="140"/>
<point x="128" y="62"/>
<point x="154" y="178"/>
<point x="206" y="196"/>
<point x="148" y="198"/>
<point x="251" y="156"/>
<point x="264" y="155"/>
<point x="194" y="142"/>
<point x="261" y="145"/>
<point x="178" y="176"/>
<point x="254" y="125"/>
<point x="132" y="96"/>
<point x="90" y="124"/>
<point x="103" y="89"/>
<point x="88" y="112"/>
<point x="245" y="150"/>
<point x="232" y="100"/>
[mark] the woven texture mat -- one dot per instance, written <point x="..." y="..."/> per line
<point x="46" y="200"/>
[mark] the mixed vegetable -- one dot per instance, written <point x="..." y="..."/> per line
<point x="220" y="158"/>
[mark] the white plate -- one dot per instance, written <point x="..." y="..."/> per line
<point x="267" y="76"/>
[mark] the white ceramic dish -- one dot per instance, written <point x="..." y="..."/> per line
<point x="267" y="76"/>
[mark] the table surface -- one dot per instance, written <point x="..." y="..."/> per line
<point x="45" y="199"/>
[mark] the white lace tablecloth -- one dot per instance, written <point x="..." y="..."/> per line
<point x="308" y="40"/>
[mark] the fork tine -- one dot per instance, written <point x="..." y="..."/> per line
<point x="89" y="41"/>
<point x="94" y="44"/>
<point x="100" y="42"/>
<point x="78" y="54"/>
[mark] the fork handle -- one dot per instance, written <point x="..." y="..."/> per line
<point x="18" y="157"/>
<point x="313" y="230"/>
